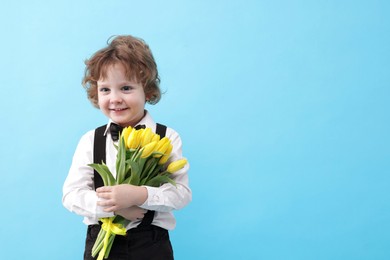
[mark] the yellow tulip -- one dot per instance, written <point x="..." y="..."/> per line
<point x="163" y="148"/>
<point x="176" y="165"/>
<point x="169" y="150"/>
<point x="126" y="132"/>
<point x="164" y="158"/>
<point x="133" y="140"/>
<point x="148" y="149"/>
<point x="155" y="137"/>
<point x="161" y="144"/>
<point x="146" y="136"/>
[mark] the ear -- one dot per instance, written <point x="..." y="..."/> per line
<point x="147" y="97"/>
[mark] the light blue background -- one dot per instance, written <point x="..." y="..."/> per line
<point x="283" y="107"/>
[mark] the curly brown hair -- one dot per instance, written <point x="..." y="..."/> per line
<point x="136" y="57"/>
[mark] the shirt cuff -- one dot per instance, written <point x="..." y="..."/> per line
<point x="100" y="213"/>
<point x="154" y="198"/>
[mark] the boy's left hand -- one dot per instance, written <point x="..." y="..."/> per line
<point x="121" y="196"/>
<point x="133" y="213"/>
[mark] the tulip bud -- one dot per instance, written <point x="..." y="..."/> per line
<point x="163" y="148"/>
<point x="177" y="165"/>
<point x="133" y="140"/>
<point x="148" y="149"/>
<point x="126" y="132"/>
<point x="161" y="143"/>
<point x="155" y="137"/>
<point x="166" y="155"/>
<point x="146" y="136"/>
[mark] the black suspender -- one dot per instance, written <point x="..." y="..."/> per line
<point x="99" y="153"/>
<point x="99" y="156"/>
<point x="161" y="130"/>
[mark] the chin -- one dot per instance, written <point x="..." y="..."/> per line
<point x="123" y="123"/>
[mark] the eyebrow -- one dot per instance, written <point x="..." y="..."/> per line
<point x="123" y="83"/>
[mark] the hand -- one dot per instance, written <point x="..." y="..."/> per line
<point x="121" y="196"/>
<point x="133" y="213"/>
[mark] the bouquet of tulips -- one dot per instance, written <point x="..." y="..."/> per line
<point x="141" y="160"/>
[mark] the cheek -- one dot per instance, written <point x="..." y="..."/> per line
<point x="138" y="99"/>
<point x="101" y="101"/>
<point x="143" y="97"/>
<point x="141" y="101"/>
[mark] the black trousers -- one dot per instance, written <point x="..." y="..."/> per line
<point x="149" y="243"/>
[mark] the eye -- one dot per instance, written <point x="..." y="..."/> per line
<point x="127" y="88"/>
<point x="103" y="89"/>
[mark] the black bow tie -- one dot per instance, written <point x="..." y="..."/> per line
<point x="115" y="130"/>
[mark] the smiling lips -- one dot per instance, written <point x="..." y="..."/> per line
<point x="117" y="109"/>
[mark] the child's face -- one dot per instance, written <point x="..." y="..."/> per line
<point x="119" y="98"/>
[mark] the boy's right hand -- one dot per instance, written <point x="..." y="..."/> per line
<point x="121" y="196"/>
<point x="133" y="213"/>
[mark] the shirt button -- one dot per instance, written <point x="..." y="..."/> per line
<point x="156" y="198"/>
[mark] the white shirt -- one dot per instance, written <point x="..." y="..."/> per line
<point x="79" y="195"/>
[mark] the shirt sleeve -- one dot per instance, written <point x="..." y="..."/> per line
<point x="169" y="197"/>
<point x="79" y="195"/>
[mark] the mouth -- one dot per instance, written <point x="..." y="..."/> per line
<point x="117" y="109"/>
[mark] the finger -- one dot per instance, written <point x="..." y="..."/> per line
<point x="104" y="189"/>
<point x="111" y="209"/>
<point x="104" y="195"/>
<point x="139" y="209"/>
<point x="105" y="203"/>
<point x="141" y="214"/>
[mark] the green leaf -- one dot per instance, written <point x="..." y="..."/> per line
<point x="152" y="168"/>
<point x="104" y="172"/>
<point x="129" y="154"/>
<point x="134" y="179"/>
<point x="127" y="180"/>
<point x="127" y="170"/>
<point x="134" y="166"/>
<point x="121" y="161"/>
<point x="158" y="180"/>
<point x="132" y="172"/>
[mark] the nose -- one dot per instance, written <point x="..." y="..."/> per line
<point x="116" y="97"/>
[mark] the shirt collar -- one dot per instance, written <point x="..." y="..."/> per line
<point x="147" y="120"/>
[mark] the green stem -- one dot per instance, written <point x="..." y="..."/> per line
<point x="98" y="243"/>
<point x="136" y="154"/>
<point x="110" y="243"/>
<point x="153" y="173"/>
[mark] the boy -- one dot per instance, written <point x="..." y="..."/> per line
<point x="119" y="80"/>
